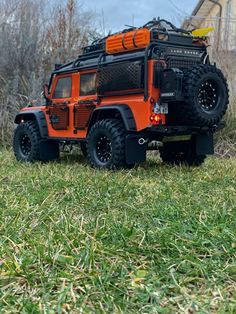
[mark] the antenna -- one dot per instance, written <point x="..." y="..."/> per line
<point x="103" y="23"/>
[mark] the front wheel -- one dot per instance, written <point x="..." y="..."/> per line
<point x="106" y="144"/>
<point x="26" y="142"/>
<point x="28" y="146"/>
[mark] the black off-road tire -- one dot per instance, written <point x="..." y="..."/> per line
<point x="206" y="96"/>
<point x="181" y="153"/>
<point x="28" y="146"/>
<point x="83" y="148"/>
<point x="26" y="142"/>
<point x="106" y="144"/>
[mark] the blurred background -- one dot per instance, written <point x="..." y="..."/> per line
<point x="36" y="34"/>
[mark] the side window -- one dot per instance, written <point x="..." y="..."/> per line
<point x="88" y="84"/>
<point x="63" y="88"/>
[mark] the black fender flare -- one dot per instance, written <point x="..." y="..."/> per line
<point x="34" y="115"/>
<point x="124" y="111"/>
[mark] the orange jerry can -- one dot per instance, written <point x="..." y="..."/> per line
<point x="133" y="40"/>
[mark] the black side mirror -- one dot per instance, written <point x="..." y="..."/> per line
<point x="46" y="91"/>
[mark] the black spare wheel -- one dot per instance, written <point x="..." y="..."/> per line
<point x="206" y="96"/>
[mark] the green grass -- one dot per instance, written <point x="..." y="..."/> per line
<point x="155" y="239"/>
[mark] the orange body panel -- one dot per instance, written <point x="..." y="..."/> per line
<point x="133" y="40"/>
<point x="141" y="109"/>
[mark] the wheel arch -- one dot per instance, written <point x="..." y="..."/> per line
<point x="113" y="111"/>
<point x="34" y="115"/>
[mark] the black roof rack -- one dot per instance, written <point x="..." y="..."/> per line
<point x="97" y="49"/>
<point x="99" y="46"/>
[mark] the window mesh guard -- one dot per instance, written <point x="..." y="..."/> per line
<point x="118" y="77"/>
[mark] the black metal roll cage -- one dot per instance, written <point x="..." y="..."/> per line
<point x="100" y="57"/>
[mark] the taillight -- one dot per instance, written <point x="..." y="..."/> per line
<point x="158" y="118"/>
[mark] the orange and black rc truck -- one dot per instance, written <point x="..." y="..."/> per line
<point x="143" y="88"/>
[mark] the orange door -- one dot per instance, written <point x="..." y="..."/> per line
<point x="87" y="100"/>
<point x="59" y="109"/>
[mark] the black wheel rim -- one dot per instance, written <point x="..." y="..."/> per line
<point x="208" y="96"/>
<point x="25" y="145"/>
<point x="104" y="149"/>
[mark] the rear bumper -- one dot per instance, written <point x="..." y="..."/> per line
<point x="160" y="131"/>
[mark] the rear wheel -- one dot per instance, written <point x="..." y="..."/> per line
<point x="106" y="144"/>
<point x="177" y="153"/>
